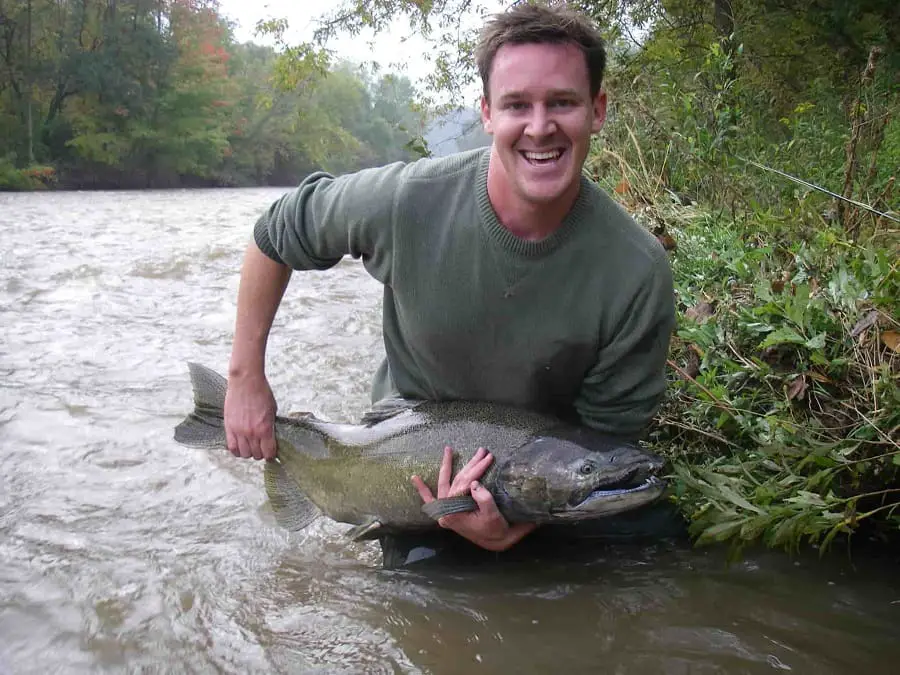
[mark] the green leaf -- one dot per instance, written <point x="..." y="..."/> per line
<point x="763" y="291"/>
<point x="806" y="498"/>
<point x="817" y="342"/>
<point x="782" y="336"/>
<point x="722" y="531"/>
<point x="736" y="499"/>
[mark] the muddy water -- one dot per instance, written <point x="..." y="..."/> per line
<point x="121" y="551"/>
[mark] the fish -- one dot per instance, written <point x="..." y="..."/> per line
<point x="544" y="470"/>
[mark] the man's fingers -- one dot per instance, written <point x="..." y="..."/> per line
<point x="477" y="469"/>
<point x="244" y="447"/>
<point x="232" y="443"/>
<point x="423" y="490"/>
<point x="484" y="499"/>
<point x="256" y="449"/>
<point x="474" y="470"/>
<point x="253" y="444"/>
<point x="269" y="447"/>
<point x="445" y="472"/>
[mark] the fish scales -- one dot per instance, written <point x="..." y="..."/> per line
<point x="367" y="470"/>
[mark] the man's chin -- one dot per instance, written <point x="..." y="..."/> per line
<point x="545" y="193"/>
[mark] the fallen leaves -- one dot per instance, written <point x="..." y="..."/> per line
<point x="701" y="312"/>
<point x="797" y="388"/>
<point x="865" y="322"/>
<point x="891" y="338"/>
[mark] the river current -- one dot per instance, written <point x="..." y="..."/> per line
<point x="124" y="552"/>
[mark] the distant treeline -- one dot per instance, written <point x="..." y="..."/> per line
<point x="157" y="93"/>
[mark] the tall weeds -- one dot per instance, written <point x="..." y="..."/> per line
<point x="783" y="417"/>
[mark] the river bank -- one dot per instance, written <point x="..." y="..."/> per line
<point x="40" y="178"/>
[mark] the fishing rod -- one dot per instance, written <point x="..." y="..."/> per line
<point x="821" y="189"/>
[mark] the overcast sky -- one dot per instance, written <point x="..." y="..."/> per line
<point x="390" y="49"/>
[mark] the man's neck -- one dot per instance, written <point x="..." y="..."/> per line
<point x="526" y="220"/>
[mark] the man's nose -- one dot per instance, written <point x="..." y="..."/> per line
<point x="541" y="123"/>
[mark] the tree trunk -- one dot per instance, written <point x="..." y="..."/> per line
<point x="29" y="126"/>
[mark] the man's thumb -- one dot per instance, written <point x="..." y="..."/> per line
<point x="482" y="496"/>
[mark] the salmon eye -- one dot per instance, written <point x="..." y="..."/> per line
<point x="586" y="469"/>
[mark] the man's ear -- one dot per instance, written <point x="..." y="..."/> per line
<point x="486" y="116"/>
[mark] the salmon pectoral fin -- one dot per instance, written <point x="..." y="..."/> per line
<point x="449" y="505"/>
<point x="292" y="509"/>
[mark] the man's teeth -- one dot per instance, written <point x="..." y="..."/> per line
<point x="540" y="156"/>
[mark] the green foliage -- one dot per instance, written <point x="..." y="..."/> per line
<point x="136" y="94"/>
<point x="783" y="412"/>
<point x="31" y="178"/>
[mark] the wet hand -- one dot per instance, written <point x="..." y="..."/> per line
<point x="486" y="527"/>
<point x="250" y="417"/>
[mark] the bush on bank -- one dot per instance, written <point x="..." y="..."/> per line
<point x="784" y="406"/>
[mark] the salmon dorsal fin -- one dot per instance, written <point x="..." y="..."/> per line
<point x="292" y="509"/>
<point x="387" y="408"/>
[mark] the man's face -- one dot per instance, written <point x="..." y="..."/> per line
<point x="541" y="115"/>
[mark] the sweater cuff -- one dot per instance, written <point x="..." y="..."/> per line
<point x="264" y="241"/>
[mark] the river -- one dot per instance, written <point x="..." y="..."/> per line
<point x="121" y="551"/>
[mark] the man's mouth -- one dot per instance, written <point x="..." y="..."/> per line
<point x="544" y="158"/>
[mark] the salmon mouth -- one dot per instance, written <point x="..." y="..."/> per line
<point x="623" y="490"/>
<point x="612" y="499"/>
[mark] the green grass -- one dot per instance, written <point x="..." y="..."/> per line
<point x="784" y="406"/>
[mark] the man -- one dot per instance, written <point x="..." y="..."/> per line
<point x="507" y="275"/>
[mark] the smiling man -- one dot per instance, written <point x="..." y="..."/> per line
<point x="508" y="276"/>
<point x="541" y="110"/>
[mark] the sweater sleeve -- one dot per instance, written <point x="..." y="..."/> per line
<point x="325" y="218"/>
<point x="623" y="390"/>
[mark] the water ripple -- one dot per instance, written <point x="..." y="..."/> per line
<point x="121" y="551"/>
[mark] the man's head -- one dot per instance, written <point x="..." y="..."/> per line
<point x="533" y="24"/>
<point x="542" y="71"/>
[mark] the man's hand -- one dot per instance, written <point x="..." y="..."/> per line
<point x="485" y="527"/>
<point x="250" y="417"/>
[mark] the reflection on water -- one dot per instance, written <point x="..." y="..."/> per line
<point x="121" y="551"/>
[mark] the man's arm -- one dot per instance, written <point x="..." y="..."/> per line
<point x="311" y="227"/>
<point x="249" y="403"/>
<point x="622" y="391"/>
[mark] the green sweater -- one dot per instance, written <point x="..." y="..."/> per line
<point x="576" y="324"/>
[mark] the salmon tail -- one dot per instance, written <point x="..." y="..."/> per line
<point x="205" y="426"/>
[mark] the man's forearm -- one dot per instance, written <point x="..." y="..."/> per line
<point x="263" y="282"/>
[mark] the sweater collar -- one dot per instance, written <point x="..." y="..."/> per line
<point x="516" y="245"/>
